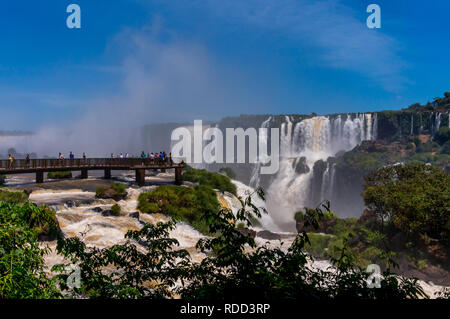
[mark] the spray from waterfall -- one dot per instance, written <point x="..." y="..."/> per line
<point x="312" y="139"/>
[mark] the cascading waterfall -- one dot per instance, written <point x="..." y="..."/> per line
<point x="255" y="178"/>
<point x="315" y="139"/>
<point x="412" y="125"/>
<point x="438" y="122"/>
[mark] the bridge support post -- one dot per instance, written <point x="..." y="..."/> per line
<point x="39" y="177"/>
<point x="84" y="173"/>
<point x="140" y="177"/>
<point x="178" y="175"/>
<point x="107" y="173"/>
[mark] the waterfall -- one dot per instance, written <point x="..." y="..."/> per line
<point x="437" y="122"/>
<point x="421" y="124"/>
<point x="313" y="139"/>
<point x="255" y="178"/>
<point x="375" y="127"/>
<point x="368" y="118"/>
<point x="412" y="124"/>
<point x="286" y="137"/>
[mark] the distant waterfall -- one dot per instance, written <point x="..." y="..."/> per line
<point x="412" y="125"/>
<point x="255" y="178"/>
<point x="311" y="139"/>
<point x="437" y="122"/>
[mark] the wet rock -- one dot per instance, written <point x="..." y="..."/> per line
<point x="109" y="212"/>
<point x="300" y="165"/>
<point x="266" y="234"/>
<point x="70" y="203"/>
<point x="247" y="232"/>
<point x="134" y="215"/>
<point x="97" y="209"/>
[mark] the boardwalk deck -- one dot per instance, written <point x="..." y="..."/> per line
<point x="39" y="166"/>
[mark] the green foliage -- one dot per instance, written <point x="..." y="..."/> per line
<point x="115" y="209"/>
<point x="13" y="197"/>
<point x="22" y="272"/>
<point x="149" y="272"/>
<point x="115" y="191"/>
<point x="237" y="268"/>
<point x="214" y="180"/>
<point x="414" y="198"/>
<point x="59" y="175"/>
<point x="189" y="204"/>
<point x="446" y="148"/>
<point x="119" y="188"/>
<point x="100" y="192"/>
<point x="442" y="136"/>
<point x="427" y="147"/>
<point x="228" y="172"/>
<point x="42" y="220"/>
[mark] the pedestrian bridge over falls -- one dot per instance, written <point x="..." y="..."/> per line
<point x="40" y="166"/>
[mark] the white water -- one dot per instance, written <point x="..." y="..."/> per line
<point x="244" y="191"/>
<point x="254" y="180"/>
<point x="100" y="231"/>
<point x="315" y="139"/>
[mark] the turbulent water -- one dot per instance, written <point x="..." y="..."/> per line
<point x="314" y="139"/>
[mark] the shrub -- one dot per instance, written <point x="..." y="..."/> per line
<point x="116" y="191"/>
<point x="59" y="175"/>
<point x="115" y="209"/>
<point x="446" y="148"/>
<point x="214" y="180"/>
<point x="228" y="172"/>
<point x="100" y="192"/>
<point x="13" y="197"/>
<point x="181" y="203"/>
<point x="442" y="136"/>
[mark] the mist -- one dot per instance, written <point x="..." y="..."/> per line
<point x="162" y="79"/>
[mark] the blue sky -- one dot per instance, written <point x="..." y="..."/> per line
<point x="162" y="60"/>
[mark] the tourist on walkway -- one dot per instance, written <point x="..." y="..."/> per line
<point x="143" y="157"/>
<point x="27" y="159"/>
<point x="11" y="161"/>
<point x="71" y="156"/>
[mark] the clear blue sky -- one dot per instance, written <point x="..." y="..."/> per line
<point x="208" y="59"/>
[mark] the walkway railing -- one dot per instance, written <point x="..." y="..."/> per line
<point x="23" y="164"/>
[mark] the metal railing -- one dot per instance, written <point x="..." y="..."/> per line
<point x="23" y="164"/>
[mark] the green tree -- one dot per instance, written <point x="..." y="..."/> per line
<point x="414" y="198"/>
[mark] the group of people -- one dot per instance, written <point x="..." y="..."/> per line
<point x="71" y="156"/>
<point x="147" y="158"/>
<point x="160" y="157"/>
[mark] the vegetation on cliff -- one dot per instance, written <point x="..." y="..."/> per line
<point x="189" y="204"/>
<point x="214" y="180"/>
<point x="407" y="219"/>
